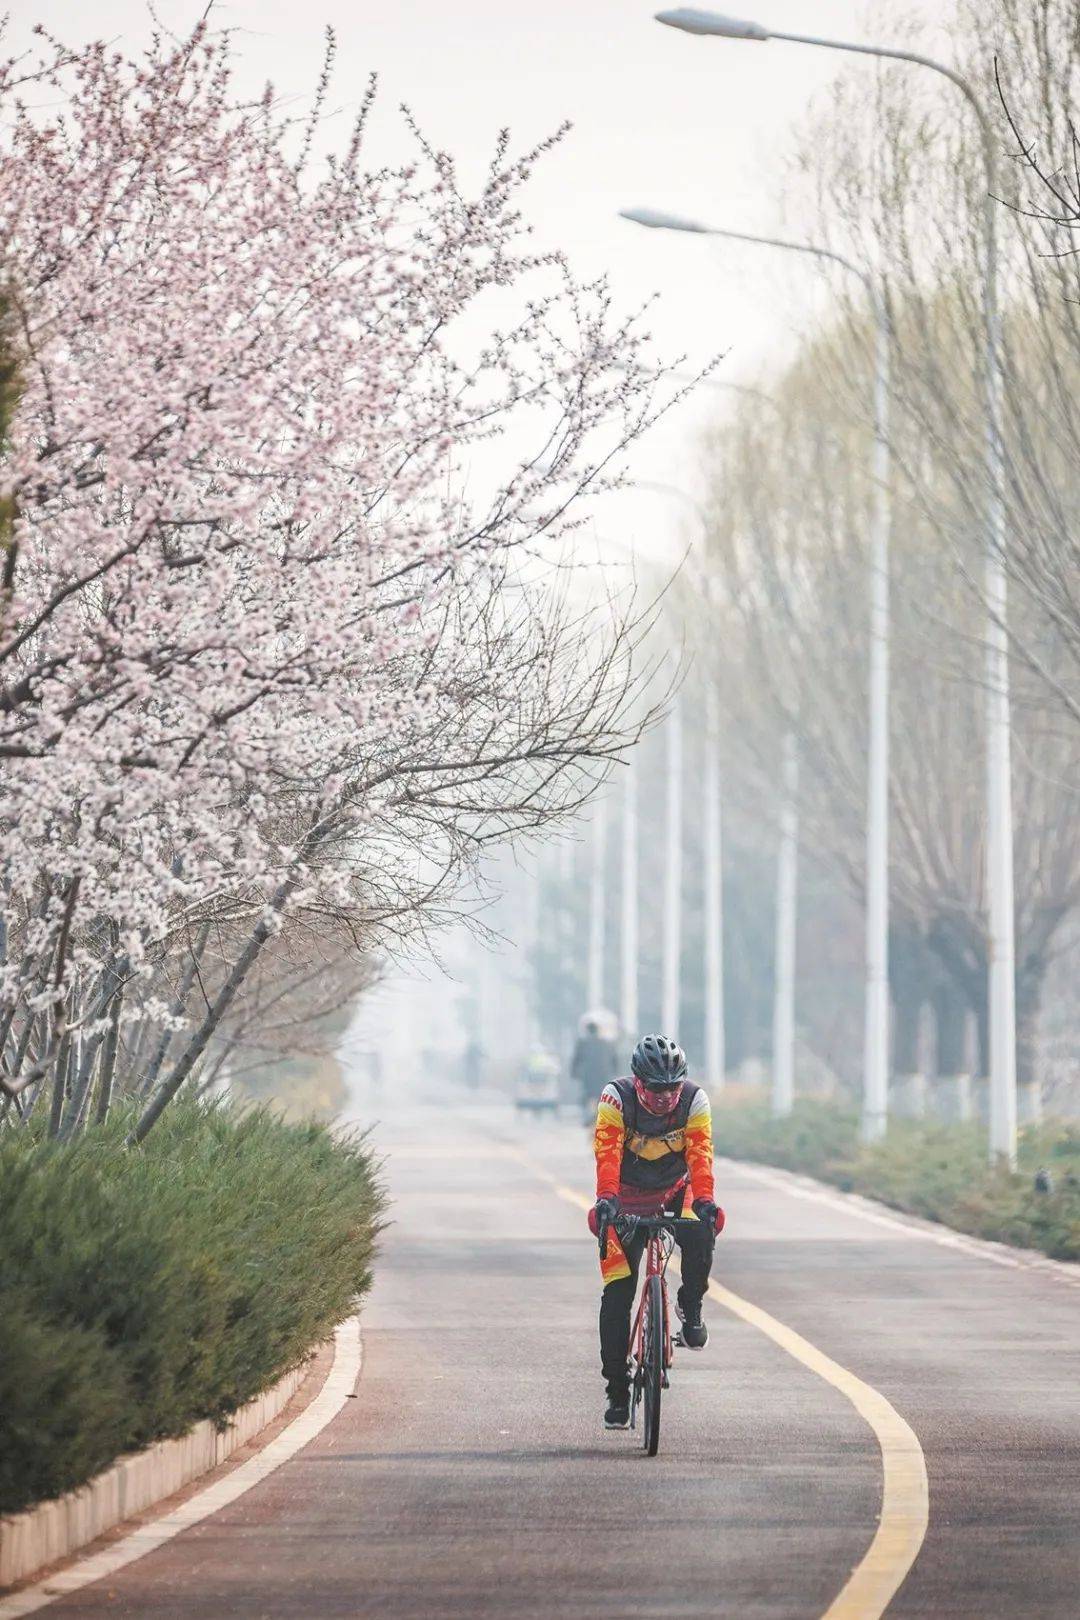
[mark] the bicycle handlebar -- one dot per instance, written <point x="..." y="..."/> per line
<point x="625" y="1225"/>
<point x="655" y="1223"/>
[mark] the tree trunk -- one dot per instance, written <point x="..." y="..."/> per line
<point x="982" y="1031"/>
<point x="950" y="1020"/>
<point x="176" y="1011"/>
<point x="25" y="1038"/>
<point x="80" y="1090"/>
<point x="129" y="1071"/>
<point x="8" y="1016"/>
<point x="59" y="1090"/>
<point x="1029" y="989"/>
<point x="962" y="952"/>
<point x="907" y="1011"/>
<point x="911" y="979"/>
<point x="197" y="1045"/>
<point x="108" y="1060"/>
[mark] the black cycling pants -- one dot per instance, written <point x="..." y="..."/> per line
<point x="617" y="1300"/>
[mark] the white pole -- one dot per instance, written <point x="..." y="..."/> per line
<point x="714" y="901"/>
<point x="487" y="1024"/>
<point x="533" y="925"/>
<point x="567" y="926"/>
<point x="1002" y="988"/>
<point x="876" y="1048"/>
<point x="672" y="929"/>
<point x="597" y="907"/>
<point x="783" y="1094"/>
<point x="628" y="943"/>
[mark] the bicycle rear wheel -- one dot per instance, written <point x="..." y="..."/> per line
<point x="652" y="1363"/>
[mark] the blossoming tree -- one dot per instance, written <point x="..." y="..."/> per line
<point x="259" y="661"/>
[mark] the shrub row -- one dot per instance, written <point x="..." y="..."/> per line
<point x="145" y="1290"/>
<point x="925" y="1168"/>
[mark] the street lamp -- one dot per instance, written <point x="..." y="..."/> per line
<point x="595" y="976"/>
<point x="628" y="919"/>
<point x="712" y="841"/>
<point x="876" y="1018"/>
<point x="655" y="220"/>
<point x="783" y="1030"/>
<point x="692" y="21"/>
<point x="671" y="926"/>
<point x="1002" y="976"/>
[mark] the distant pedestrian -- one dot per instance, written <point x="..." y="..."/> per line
<point x="592" y="1066"/>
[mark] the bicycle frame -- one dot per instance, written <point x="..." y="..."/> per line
<point x="658" y="1251"/>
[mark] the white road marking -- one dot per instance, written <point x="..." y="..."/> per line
<point x="856" y="1207"/>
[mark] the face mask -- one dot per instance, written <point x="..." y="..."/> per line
<point x="657" y="1102"/>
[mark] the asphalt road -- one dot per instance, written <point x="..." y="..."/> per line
<point x="472" y="1477"/>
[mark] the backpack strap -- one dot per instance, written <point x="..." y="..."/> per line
<point x="686" y="1102"/>
<point x="629" y="1100"/>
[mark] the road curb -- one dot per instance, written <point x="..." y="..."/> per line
<point x="51" y="1531"/>
<point x="146" y="1534"/>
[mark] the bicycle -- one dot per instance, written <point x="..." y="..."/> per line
<point x="651" y="1341"/>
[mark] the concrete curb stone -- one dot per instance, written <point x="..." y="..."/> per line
<point x="53" y="1530"/>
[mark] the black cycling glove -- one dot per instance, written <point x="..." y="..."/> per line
<point x="709" y="1213"/>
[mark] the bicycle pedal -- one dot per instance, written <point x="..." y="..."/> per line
<point x="678" y="1341"/>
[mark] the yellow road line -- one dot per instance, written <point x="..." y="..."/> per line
<point x="905" y="1495"/>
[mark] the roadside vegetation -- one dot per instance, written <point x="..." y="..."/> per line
<point x="925" y="1168"/>
<point x="144" y="1291"/>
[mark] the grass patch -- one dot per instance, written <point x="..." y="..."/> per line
<point x="146" y="1290"/>
<point x="924" y="1168"/>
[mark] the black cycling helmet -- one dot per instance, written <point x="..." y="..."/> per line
<point x="658" y="1062"/>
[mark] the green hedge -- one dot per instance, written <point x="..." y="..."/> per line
<point x="935" y="1170"/>
<point x="145" y="1290"/>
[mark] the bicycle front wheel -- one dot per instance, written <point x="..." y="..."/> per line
<point x="652" y="1363"/>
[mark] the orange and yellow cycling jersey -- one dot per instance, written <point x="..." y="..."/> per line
<point x="648" y="1160"/>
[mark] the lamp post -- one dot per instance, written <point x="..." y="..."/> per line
<point x="715" y="1060"/>
<point x="783" y="1053"/>
<point x="712" y="840"/>
<point x="595" y="975"/>
<point x="1002" y="975"/>
<point x="533" y="908"/>
<point x="876" y="1005"/>
<point x="672" y="923"/>
<point x="628" y="921"/>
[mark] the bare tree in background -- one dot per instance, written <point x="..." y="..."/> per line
<point x="788" y="541"/>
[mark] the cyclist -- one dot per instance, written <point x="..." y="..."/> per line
<point x="653" y="1147"/>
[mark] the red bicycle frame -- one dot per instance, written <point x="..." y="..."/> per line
<point x="658" y="1251"/>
